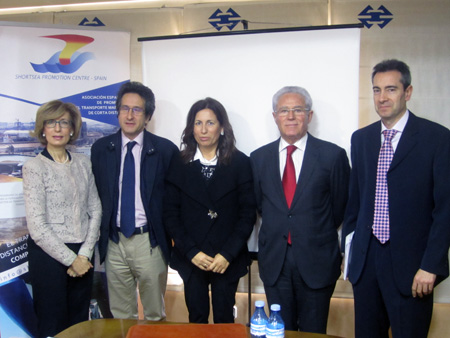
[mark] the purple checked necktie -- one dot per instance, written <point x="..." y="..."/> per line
<point x="381" y="215"/>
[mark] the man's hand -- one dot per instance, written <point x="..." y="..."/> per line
<point x="423" y="283"/>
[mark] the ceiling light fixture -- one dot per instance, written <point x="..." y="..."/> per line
<point x="87" y="6"/>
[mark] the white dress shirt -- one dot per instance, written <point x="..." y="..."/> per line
<point x="297" y="155"/>
<point x="399" y="126"/>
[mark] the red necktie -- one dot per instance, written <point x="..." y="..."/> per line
<point x="289" y="181"/>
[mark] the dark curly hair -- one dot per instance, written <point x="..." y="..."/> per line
<point x="143" y="91"/>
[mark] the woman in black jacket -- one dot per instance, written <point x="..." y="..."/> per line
<point x="210" y="212"/>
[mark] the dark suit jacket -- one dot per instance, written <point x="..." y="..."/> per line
<point x="189" y="204"/>
<point x="157" y="154"/>
<point x="419" y="200"/>
<point x="316" y="212"/>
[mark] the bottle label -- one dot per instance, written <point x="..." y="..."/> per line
<point x="257" y="330"/>
<point x="274" y="333"/>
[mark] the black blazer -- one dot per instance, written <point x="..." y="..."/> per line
<point x="157" y="154"/>
<point x="217" y="217"/>
<point x="419" y="200"/>
<point x="316" y="212"/>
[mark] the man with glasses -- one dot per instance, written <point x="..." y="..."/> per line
<point x="301" y="186"/>
<point x="129" y="169"/>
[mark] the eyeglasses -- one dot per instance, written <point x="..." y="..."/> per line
<point x="62" y="123"/>
<point x="137" y="111"/>
<point x="298" y="111"/>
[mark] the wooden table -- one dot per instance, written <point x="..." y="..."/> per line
<point x="118" y="328"/>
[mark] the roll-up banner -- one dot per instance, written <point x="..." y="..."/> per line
<point x="40" y="64"/>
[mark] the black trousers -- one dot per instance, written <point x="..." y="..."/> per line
<point x="223" y="296"/>
<point x="59" y="300"/>
<point x="380" y="305"/>
<point x="302" y="308"/>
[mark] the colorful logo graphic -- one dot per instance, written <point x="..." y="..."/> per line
<point x="369" y="16"/>
<point x="228" y="19"/>
<point x="69" y="60"/>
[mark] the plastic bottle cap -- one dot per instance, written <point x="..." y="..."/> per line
<point x="275" y="307"/>
<point x="259" y="303"/>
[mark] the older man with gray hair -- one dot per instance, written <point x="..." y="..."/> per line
<point x="301" y="186"/>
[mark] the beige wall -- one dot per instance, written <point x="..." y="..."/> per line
<point x="419" y="34"/>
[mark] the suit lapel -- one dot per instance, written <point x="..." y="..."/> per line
<point x="374" y="143"/>
<point x="149" y="164"/>
<point x="309" y="162"/>
<point x="195" y="184"/>
<point x="273" y="164"/>
<point x="219" y="185"/>
<point x="407" y="142"/>
<point x="113" y="166"/>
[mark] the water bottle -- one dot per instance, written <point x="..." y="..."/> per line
<point x="275" y="325"/>
<point x="258" y="321"/>
<point x="94" y="311"/>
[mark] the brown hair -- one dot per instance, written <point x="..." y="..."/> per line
<point x="226" y="146"/>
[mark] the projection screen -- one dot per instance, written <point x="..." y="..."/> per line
<point x="244" y="70"/>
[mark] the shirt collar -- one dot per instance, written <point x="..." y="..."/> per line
<point x="199" y="156"/>
<point x="400" y="125"/>
<point x="139" y="140"/>
<point x="300" y="144"/>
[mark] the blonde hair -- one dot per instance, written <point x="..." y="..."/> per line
<point x="53" y="110"/>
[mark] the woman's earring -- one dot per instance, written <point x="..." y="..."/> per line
<point x="71" y="134"/>
<point x="221" y="133"/>
<point x="43" y="134"/>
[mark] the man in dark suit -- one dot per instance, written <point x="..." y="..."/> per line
<point x="400" y="242"/>
<point x="302" y="205"/>
<point x="133" y="241"/>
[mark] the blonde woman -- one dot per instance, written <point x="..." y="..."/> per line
<point x="63" y="214"/>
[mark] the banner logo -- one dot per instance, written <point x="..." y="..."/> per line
<point x="369" y="16"/>
<point x="68" y="60"/>
<point x="220" y="19"/>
